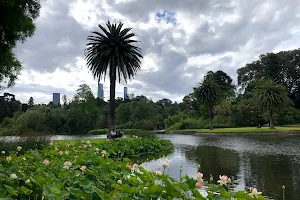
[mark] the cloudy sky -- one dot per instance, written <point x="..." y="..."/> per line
<point x="181" y="40"/>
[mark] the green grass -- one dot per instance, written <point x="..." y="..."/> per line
<point x="76" y="141"/>
<point x="250" y="129"/>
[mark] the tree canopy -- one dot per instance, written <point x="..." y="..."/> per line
<point x="16" y="24"/>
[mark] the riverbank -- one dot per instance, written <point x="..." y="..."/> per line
<point x="264" y="131"/>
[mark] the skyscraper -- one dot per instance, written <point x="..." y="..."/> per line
<point x="56" y="98"/>
<point x="100" y="91"/>
<point x="125" y="93"/>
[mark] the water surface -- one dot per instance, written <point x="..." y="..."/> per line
<point x="265" y="162"/>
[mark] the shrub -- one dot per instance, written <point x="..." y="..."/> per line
<point x="8" y="122"/>
<point x="31" y="120"/>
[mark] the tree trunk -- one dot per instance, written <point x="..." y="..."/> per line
<point x="271" y="120"/>
<point x="210" y="116"/>
<point x="111" y="112"/>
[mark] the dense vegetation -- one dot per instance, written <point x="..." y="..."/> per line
<point x="215" y="103"/>
<point x="92" y="170"/>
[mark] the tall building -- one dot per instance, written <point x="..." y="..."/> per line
<point x="100" y="91"/>
<point x="125" y="93"/>
<point x="56" y="98"/>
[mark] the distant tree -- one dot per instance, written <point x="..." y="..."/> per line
<point x="84" y="93"/>
<point x="112" y="51"/>
<point x="9" y="105"/>
<point x="271" y="97"/>
<point x="65" y="100"/>
<point x="16" y="24"/>
<point x="209" y="93"/>
<point x="30" y="102"/>
<point x="224" y="81"/>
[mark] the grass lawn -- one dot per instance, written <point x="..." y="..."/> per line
<point x="250" y="129"/>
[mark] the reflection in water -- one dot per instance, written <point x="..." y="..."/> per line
<point x="265" y="162"/>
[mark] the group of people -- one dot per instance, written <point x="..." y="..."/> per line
<point x="115" y="134"/>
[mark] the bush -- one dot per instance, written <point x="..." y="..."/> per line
<point x="31" y="120"/>
<point x="8" y="122"/>
<point x="56" y="120"/>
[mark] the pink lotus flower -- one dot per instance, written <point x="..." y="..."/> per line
<point x="199" y="184"/>
<point x="76" y="157"/>
<point x="27" y="181"/>
<point x="68" y="145"/>
<point x="9" y="158"/>
<point x="253" y="192"/>
<point x="51" y="142"/>
<point x="223" y="180"/>
<point x="83" y="168"/>
<point x="104" y="152"/>
<point x="46" y="162"/>
<point x="67" y="164"/>
<point x="19" y="148"/>
<point x="199" y="176"/>
<point x="84" y="146"/>
<point x="119" y="182"/>
<point x="135" y="166"/>
<point x="60" y="152"/>
<point x="129" y="166"/>
<point x="97" y="149"/>
<point x="13" y="176"/>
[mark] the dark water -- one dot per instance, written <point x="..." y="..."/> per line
<point x="265" y="162"/>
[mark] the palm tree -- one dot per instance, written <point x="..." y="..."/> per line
<point x="112" y="51"/>
<point x="223" y="108"/>
<point x="209" y="93"/>
<point x="270" y="96"/>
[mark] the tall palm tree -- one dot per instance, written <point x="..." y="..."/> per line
<point x="270" y="97"/>
<point x="209" y="93"/>
<point x="113" y="51"/>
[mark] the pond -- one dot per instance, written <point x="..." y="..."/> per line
<point x="265" y="162"/>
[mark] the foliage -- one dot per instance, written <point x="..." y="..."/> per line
<point x="8" y="105"/>
<point x="84" y="93"/>
<point x="270" y="97"/>
<point x="33" y="120"/>
<point x="16" y="25"/>
<point x="112" y="51"/>
<point x="89" y="170"/>
<point x="105" y="131"/>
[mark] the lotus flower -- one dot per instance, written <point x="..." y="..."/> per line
<point x="158" y="173"/>
<point x="135" y="166"/>
<point x="129" y="166"/>
<point x="166" y="164"/>
<point x="199" y="176"/>
<point x="119" y="182"/>
<point x="9" y="158"/>
<point x="84" y="146"/>
<point x="104" y="152"/>
<point x="76" y="157"/>
<point x="13" y="176"/>
<point x="3" y="152"/>
<point x="83" y="168"/>
<point x="67" y="164"/>
<point x="46" y="162"/>
<point x="253" y="192"/>
<point x="68" y="145"/>
<point x="27" y="181"/>
<point x="51" y="142"/>
<point x="199" y="184"/>
<point x="19" y="148"/>
<point x="223" y="180"/>
<point x="97" y="149"/>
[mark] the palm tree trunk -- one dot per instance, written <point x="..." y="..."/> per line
<point x="112" y="103"/>
<point x="210" y="116"/>
<point x="271" y="120"/>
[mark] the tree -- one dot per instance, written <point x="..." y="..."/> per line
<point x="84" y="93"/>
<point x="112" y="51"/>
<point x="224" y="81"/>
<point x="223" y="108"/>
<point x="270" y="97"/>
<point x="65" y="100"/>
<point x="16" y="24"/>
<point x="209" y="93"/>
<point x="30" y="102"/>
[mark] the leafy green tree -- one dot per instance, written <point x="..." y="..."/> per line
<point x="113" y="51"/>
<point x="84" y="93"/>
<point x="16" y="24"/>
<point x="209" y="93"/>
<point x="224" y="81"/>
<point x="270" y="97"/>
